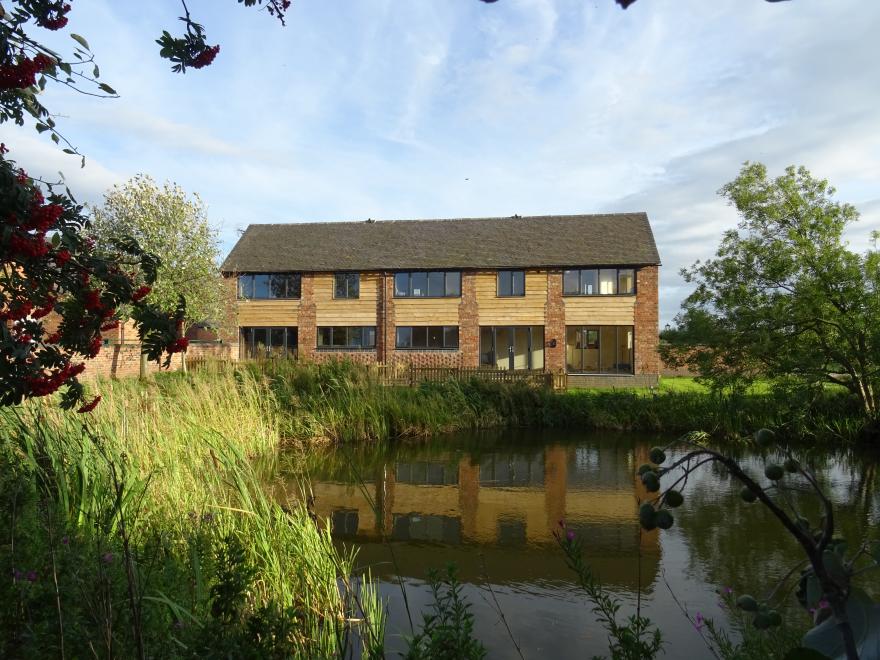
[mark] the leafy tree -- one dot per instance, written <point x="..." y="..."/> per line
<point x="166" y="221"/>
<point x="58" y="290"/>
<point x="784" y="295"/>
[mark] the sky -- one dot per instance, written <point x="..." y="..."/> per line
<point x="396" y="109"/>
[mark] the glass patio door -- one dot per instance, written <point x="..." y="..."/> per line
<point x="512" y="347"/>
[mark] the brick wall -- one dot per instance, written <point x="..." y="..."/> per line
<point x="385" y="319"/>
<point x="554" y="323"/>
<point x="124" y="359"/>
<point x="469" y="321"/>
<point x="451" y="359"/>
<point x="228" y="330"/>
<point x="307" y="334"/>
<point x="647" y="321"/>
<point x="359" y="357"/>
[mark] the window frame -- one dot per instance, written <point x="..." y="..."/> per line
<point x="250" y="346"/>
<point x="251" y="288"/>
<point x="443" y="329"/>
<point x="583" y="331"/>
<point x="347" y="296"/>
<point x="598" y="270"/>
<point x="427" y="273"/>
<point x="511" y="273"/>
<point x="348" y="346"/>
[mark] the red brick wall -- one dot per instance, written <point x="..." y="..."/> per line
<point x="647" y="321"/>
<point x="360" y="357"/>
<point x="554" y="323"/>
<point x="307" y="335"/>
<point x="469" y="321"/>
<point x="385" y="317"/>
<point x="123" y="360"/>
<point x="445" y="358"/>
<point x="228" y="331"/>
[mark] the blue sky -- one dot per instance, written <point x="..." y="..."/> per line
<point x="447" y="108"/>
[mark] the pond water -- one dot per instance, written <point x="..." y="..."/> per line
<point x="490" y="503"/>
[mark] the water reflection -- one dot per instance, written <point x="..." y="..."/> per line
<point x="491" y="502"/>
<point x="506" y="502"/>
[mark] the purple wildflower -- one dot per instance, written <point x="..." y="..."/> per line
<point x="65" y="540"/>
<point x="728" y="590"/>
<point x="569" y="535"/>
<point x="107" y="557"/>
<point x="32" y="576"/>
<point x="824" y="604"/>
<point x="699" y="621"/>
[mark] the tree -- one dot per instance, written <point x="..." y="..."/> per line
<point x="48" y="264"/>
<point x="167" y="222"/>
<point x="784" y="296"/>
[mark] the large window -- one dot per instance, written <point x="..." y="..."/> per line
<point x="347" y="285"/>
<point x="267" y="286"/>
<point x="347" y="337"/>
<point x="599" y="349"/>
<point x="433" y="337"/>
<point x="599" y="282"/>
<point x="516" y="347"/>
<point x="257" y="343"/>
<point x="427" y="284"/>
<point x="511" y="283"/>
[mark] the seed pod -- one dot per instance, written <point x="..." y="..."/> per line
<point x="645" y="467"/>
<point x="774" y="472"/>
<point x="764" y="437"/>
<point x="657" y="455"/>
<point x="747" y="495"/>
<point x="747" y="603"/>
<point x="790" y="465"/>
<point x="647" y="516"/>
<point x="652" y="482"/>
<point x="664" y="519"/>
<point x="762" y="621"/>
<point x="673" y="499"/>
<point x="775" y="618"/>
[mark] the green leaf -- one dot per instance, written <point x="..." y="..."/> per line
<point x="80" y="40"/>
<point x="55" y="138"/>
<point x="106" y="88"/>
<point x="96" y="72"/>
<point x="64" y="66"/>
<point x="69" y="151"/>
<point x="41" y="128"/>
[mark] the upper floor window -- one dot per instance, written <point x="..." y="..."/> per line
<point x="427" y="284"/>
<point x="347" y="337"/>
<point x="599" y="282"/>
<point x="267" y="286"/>
<point x="511" y="283"/>
<point x="347" y="285"/>
<point x="421" y="337"/>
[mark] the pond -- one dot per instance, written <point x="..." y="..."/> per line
<point x="490" y="502"/>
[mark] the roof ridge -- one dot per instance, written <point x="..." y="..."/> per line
<point x="464" y="219"/>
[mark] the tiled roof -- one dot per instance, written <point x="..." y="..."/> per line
<point x="464" y="243"/>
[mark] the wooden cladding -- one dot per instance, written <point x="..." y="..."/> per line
<point x="348" y="312"/>
<point x="613" y="310"/>
<point x="492" y="309"/>
<point x="279" y="313"/>
<point x="506" y="310"/>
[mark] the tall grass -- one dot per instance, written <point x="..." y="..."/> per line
<point x="148" y="532"/>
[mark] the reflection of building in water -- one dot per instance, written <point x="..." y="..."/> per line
<point x="501" y="499"/>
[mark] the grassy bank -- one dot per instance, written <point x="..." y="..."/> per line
<point x="147" y="533"/>
<point x="343" y="403"/>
